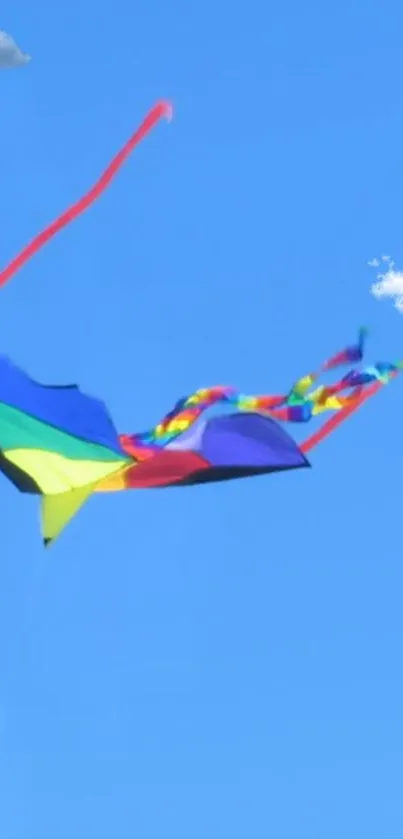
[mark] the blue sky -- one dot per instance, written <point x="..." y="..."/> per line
<point x="221" y="662"/>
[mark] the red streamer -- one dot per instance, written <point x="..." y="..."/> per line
<point x="160" y="110"/>
<point x="338" y="418"/>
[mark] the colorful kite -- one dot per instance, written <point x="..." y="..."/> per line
<point x="10" y="54"/>
<point x="160" y="110"/>
<point x="58" y="443"/>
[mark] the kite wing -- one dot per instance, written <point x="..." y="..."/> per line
<point x="55" y="442"/>
<point x="10" y="53"/>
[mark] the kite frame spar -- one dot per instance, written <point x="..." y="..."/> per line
<point x="163" y="109"/>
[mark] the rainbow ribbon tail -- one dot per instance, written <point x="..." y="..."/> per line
<point x="355" y="404"/>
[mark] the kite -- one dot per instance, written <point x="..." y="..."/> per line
<point x="160" y="110"/>
<point x="61" y="444"/>
<point x="10" y="54"/>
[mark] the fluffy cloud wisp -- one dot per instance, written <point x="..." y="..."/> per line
<point x="10" y="53"/>
<point x="389" y="283"/>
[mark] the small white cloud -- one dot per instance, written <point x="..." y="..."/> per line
<point x="10" y="53"/>
<point x="374" y="263"/>
<point x="390" y="284"/>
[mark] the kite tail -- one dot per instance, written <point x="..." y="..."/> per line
<point x="333" y="422"/>
<point x="348" y="355"/>
<point x="337" y="419"/>
<point x="292" y="407"/>
<point x="299" y="406"/>
<point x="161" y="109"/>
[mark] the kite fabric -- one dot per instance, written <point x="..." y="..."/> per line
<point x="160" y="110"/>
<point x="61" y="444"/>
<point x="10" y="53"/>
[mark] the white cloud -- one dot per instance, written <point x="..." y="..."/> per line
<point x="374" y="263"/>
<point x="10" y="53"/>
<point x="389" y="283"/>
